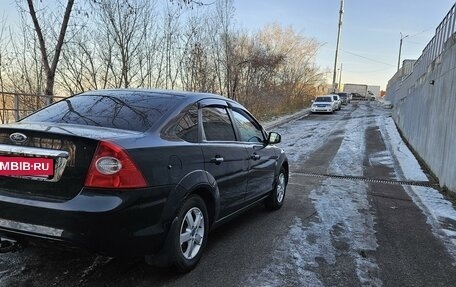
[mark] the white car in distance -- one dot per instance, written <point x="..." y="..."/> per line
<point x="387" y="105"/>
<point x="323" y="104"/>
<point x="338" y="102"/>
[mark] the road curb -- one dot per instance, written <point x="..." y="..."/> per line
<point x="285" y="119"/>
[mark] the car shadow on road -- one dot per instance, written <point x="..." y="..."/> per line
<point x="38" y="266"/>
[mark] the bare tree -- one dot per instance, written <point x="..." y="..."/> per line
<point x="172" y="46"/>
<point x="23" y="73"/>
<point x="3" y="63"/>
<point x="78" y="70"/>
<point x="191" y="45"/>
<point x="274" y="70"/>
<point x="225" y="11"/>
<point x="125" y="25"/>
<point x="50" y="64"/>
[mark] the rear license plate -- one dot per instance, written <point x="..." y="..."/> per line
<point x="26" y="166"/>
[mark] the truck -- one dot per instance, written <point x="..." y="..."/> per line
<point x="373" y="92"/>
<point x="359" y="90"/>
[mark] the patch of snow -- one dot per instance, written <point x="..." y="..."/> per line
<point x="11" y="268"/>
<point x="290" y="262"/>
<point x="407" y="161"/>
<point x="382" y="158"/>
<point x="365" y="268"/>
<point x="438" y="210"/>
<point x="342" y="208"/>
<point x="304" y="137"/>
<point x="352" y="206"/>
<point x="344" y="215"/>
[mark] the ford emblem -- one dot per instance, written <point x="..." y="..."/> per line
<point x="18" y="137"/>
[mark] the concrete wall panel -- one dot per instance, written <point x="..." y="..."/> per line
<point x="426" y="114"/>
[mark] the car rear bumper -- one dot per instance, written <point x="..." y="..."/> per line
<point x="109" y="223"/>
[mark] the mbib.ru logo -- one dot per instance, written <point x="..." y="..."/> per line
<point x="26" y="166"/>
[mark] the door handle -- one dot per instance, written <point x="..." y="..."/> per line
<point x="255" y="156"/>
<point x="217" y="160"/>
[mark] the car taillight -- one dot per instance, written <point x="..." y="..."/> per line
<point x="112" y="167"/>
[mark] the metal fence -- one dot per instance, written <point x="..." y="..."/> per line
<point x="431" y="52"/>
<point x="435" y="47"/>
<point x="14" y="106"/>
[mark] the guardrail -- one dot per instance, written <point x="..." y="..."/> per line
<point x="14" y="106"/>
<point x="435" y="47"/>
<point x="432" y="51"/>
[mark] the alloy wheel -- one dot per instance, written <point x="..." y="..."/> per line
<point x="280" y="187"/>
<point x="192" y="233"/>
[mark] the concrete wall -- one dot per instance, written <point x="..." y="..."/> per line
<point x="425" y="111"/>
<point x="395" y="83"/>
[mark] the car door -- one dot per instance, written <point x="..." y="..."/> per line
<point x="333" y="104"/>
<point x="224" y="157"/>
<point x="336" y="104"/>
<point x="262" y="157"/>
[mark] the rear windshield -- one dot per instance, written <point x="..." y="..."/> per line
<point x="343" y="95"/>
<point x="129" y="111"/>
<point x="323" y="99"/>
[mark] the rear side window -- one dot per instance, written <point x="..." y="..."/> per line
<point x="217" y="124"/>
<point x="127" y="111"/>
<point x="187" y="128"/>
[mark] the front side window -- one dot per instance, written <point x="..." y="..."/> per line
<point x="248" y="130"/>
<point x="217" y="124"/>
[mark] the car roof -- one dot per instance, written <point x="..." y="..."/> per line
<point x="189" y="96"/>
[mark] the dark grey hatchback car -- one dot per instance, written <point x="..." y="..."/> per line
<point x="138" y="173"/>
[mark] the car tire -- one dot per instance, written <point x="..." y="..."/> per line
<point x="275" y="200"/>
<point x="189" y="234"/>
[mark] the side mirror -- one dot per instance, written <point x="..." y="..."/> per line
<point x="274" y="138"/>
<point x="313" y="101"/>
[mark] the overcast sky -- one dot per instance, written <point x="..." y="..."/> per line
<point x="371" y="29"/>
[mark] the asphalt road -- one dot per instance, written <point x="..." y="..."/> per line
<point x="262" y="248"/>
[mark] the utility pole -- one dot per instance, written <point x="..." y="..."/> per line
<point x="341" y="12"/>
<point x="400" y="50"/>
<point x="340" y="77"/>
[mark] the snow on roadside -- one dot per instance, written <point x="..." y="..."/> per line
<point x="303" y="137"/>
<point x="349" y="205"/>
<point x="439" y="211"/>
<point x="407" y="161"/>
<point x="343" y="211"/>
<point x="343" y="216"/>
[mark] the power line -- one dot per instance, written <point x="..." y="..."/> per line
<point x="419" y="33"/>
<point x="411" y="42"/>
<point x="366" y="58"/>
<point x="368" y="71"/>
